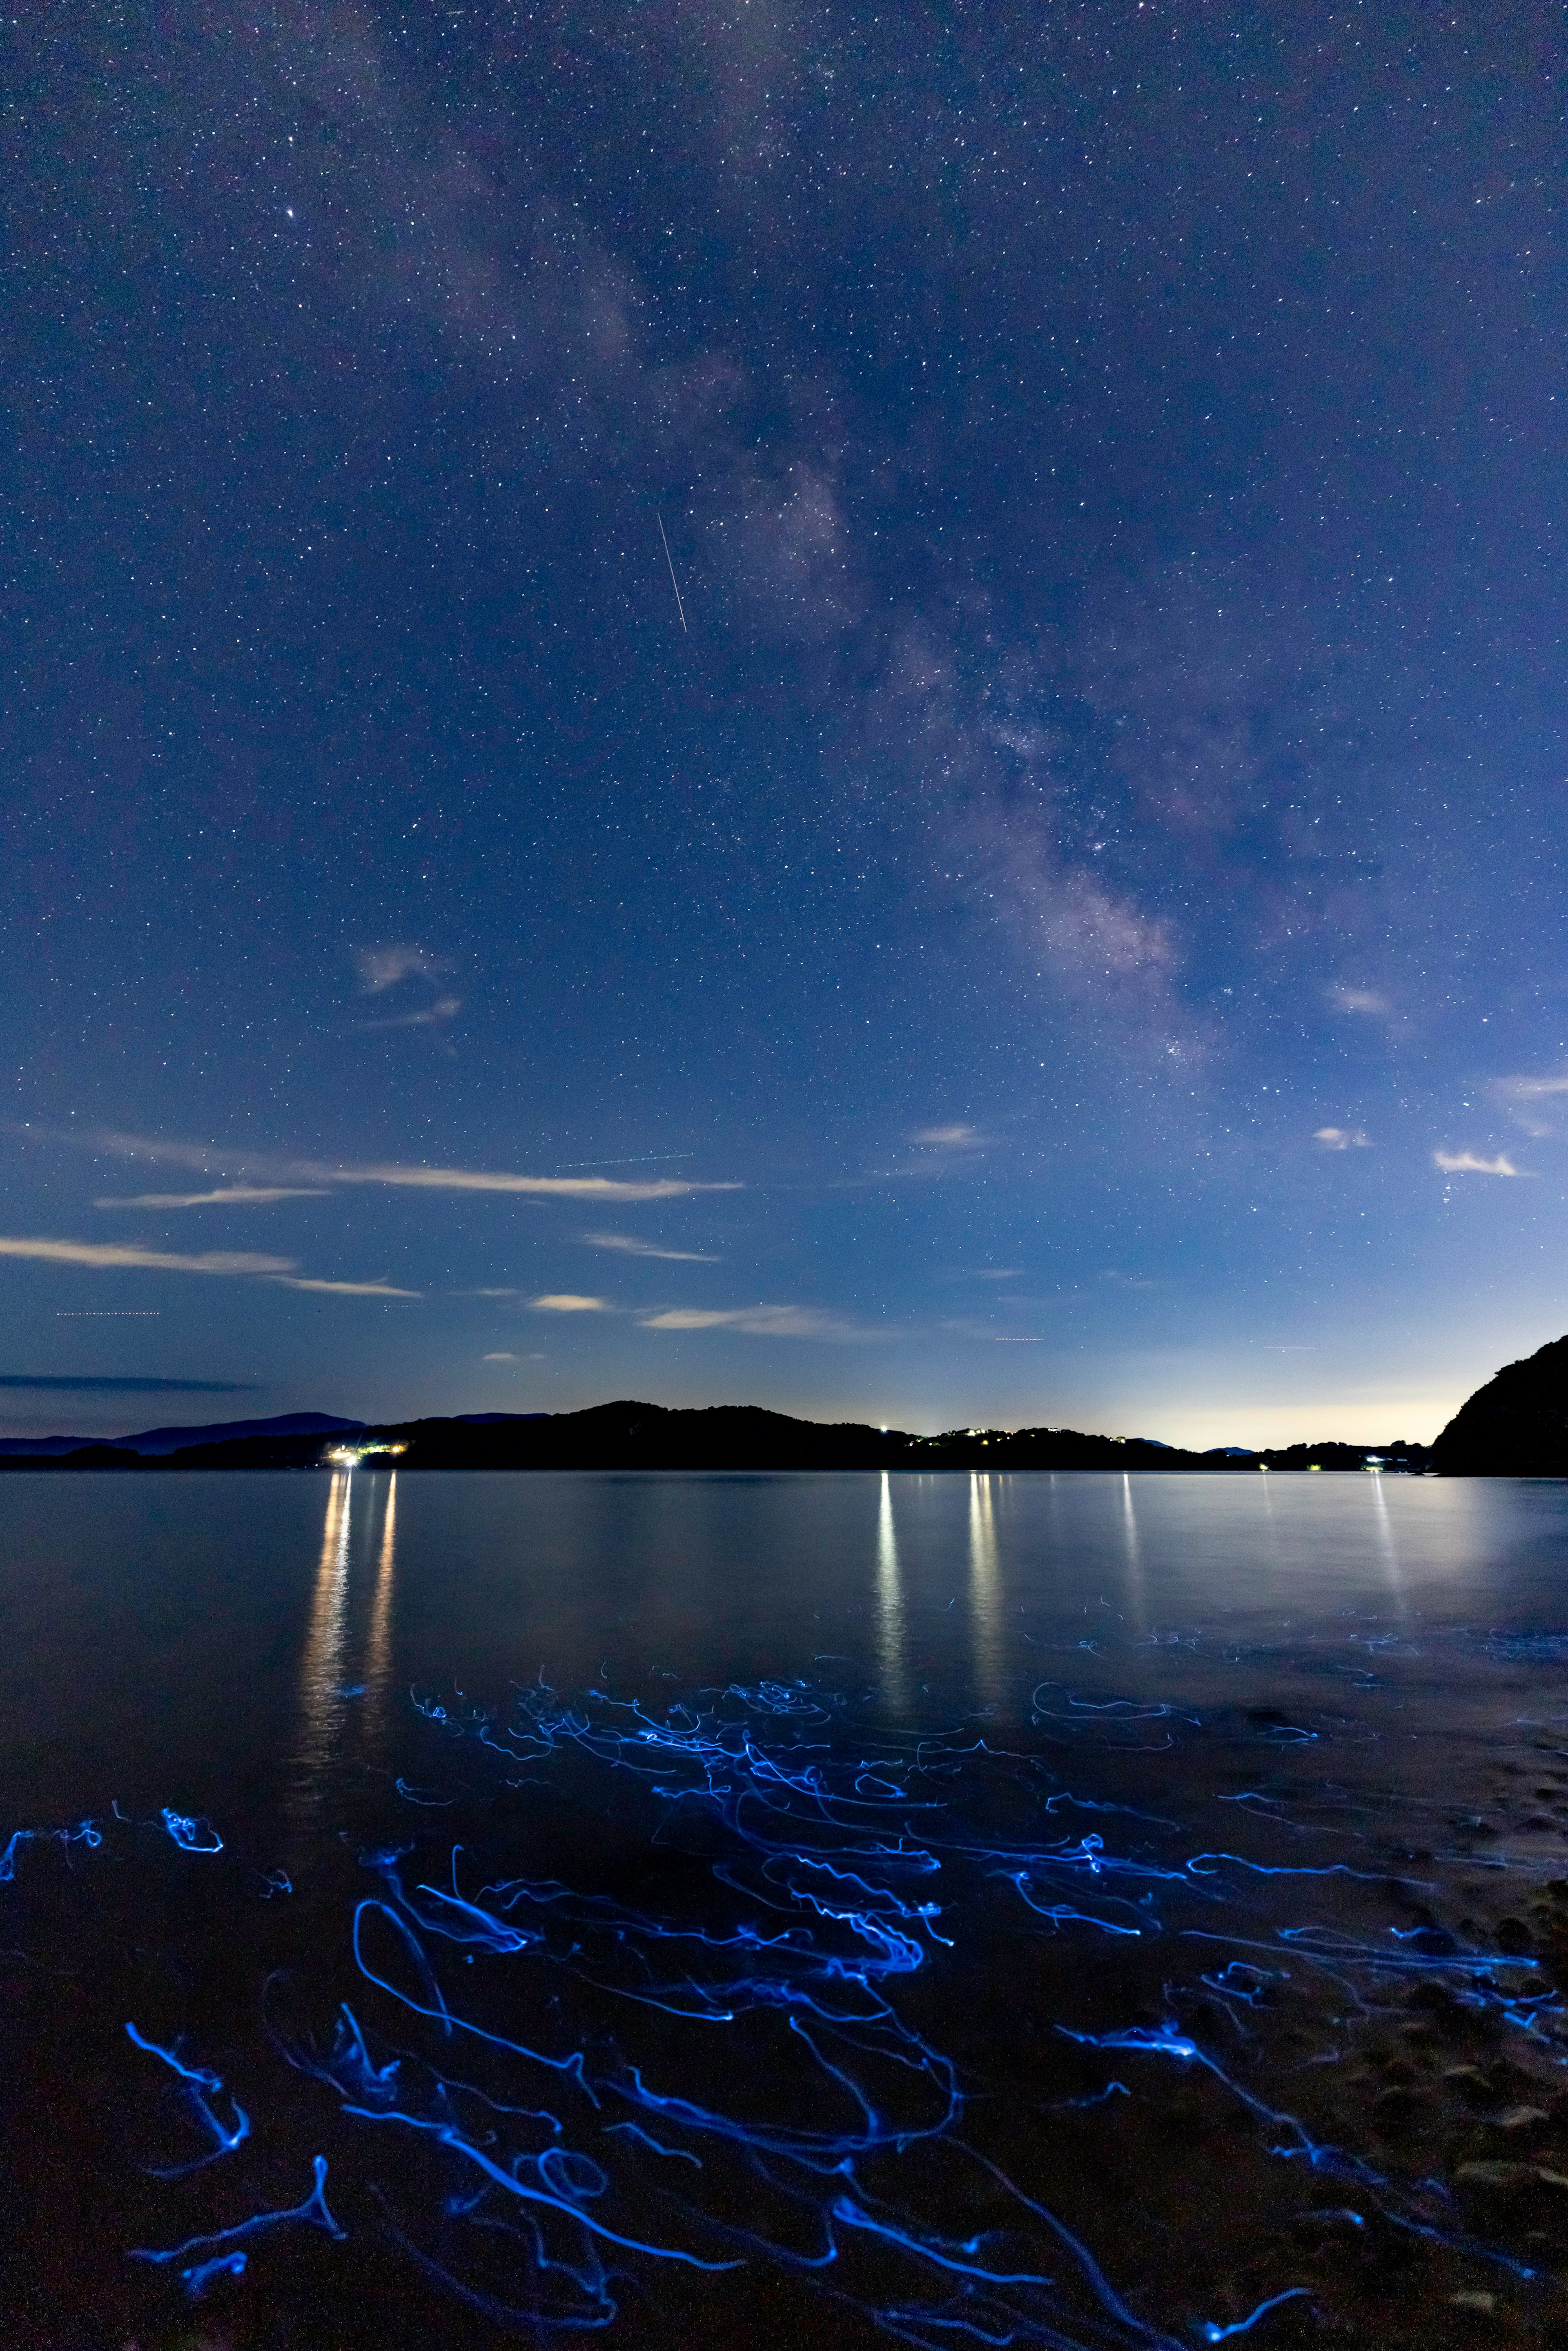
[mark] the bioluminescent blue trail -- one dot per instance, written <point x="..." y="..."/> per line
<point x="83" y="1833"/>
<point x="311" y="2210"/>
<point x="192" y="1835"/>
<point x="201" y="2086"/>
<point x="1211" y="2333"/>
<point x="201" y="2274"/>
<point x="548" y="2095"/>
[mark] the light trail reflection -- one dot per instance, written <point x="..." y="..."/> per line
<point x="890" y="1631"/>
<point x="984" y="1593"/>
<point x="378" y="1644"/>
<point x="1136" y="1611"/>
<point x="322" y="1663"/>
<point x="1388" y="1549"/>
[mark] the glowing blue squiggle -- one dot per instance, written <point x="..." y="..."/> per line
<point x="312" y="2210"/>
<point x="1213" y="2333"/>
<point x="198" y="2080"/>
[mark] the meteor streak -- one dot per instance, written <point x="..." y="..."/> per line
<point x="674" y="581"/>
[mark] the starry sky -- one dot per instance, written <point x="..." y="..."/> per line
<point x="851" y="709"/>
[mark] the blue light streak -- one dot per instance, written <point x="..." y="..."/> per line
<point x="312" y="2211"/>
<point x="1213" y="2333"/>
<point x="192" y="1835"/>
<point x="199" y="2081"/>
<point x="197" y="2279"/>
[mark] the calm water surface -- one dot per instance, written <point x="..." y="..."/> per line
<point x="1071" y="1910"/>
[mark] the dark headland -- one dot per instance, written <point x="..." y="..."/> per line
<point x="631" y="1435"/>
<point x="1514" y="1426"/>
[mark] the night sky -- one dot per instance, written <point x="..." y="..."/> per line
<point x="1044" y="905"/>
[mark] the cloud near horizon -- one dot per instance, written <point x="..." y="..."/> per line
<point x="560" y="1187"/>
<point x="231" y="1195"/>
<point x="635" y="1247"/>
<point x="111" y="1256"/>
<point x="757" y="1321"/>
<point x="107" y="1255"/>
<point x="347" y="1289"/>
<point x="1465" y="1163"/>
<point x="392" y="1173"/>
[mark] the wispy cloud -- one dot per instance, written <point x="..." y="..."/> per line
<point x="557" y="1187"/>
<point x="1359" y="1000"/>
<point x="1467" y="1163"/>
<point x="347" y="1289"/>
<point x="570" y="1302"/>
<point x="1341" y="1138"/>
<point x="313" y="1172"/>
<point x="501" y="1357"/>
<point x="111" y="1256"/>
<point x="1520" y="1095"/>
<point x="231" y="1195"/>
<point x="382" y="968"/>
<point x="107" y="1255"/>
<point x="758" y="1322"/>
<point x="935" y="1155"/>
<point x="999" y="1273"/>
<point x="951" y="1138"/>
<point x="446" y="1007"/>
<point x="631" y="1247"/>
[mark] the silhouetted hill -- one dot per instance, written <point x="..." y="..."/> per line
<point x="632" y="1436"/>
<point x="171" y="1440"/>
<point x="1514" y="1426"/>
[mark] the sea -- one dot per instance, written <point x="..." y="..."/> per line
<point x="705" y="1910"/>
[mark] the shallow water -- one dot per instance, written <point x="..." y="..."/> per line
<point x="1073" y="1910"/>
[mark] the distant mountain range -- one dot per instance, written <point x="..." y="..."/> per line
<point x="632" y="1436"/>
<point x="223" y="1432"/>
<point x="172" y="1440"/>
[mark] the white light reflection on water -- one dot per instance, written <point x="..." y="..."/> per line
<point x="322" y="1663"/>
<point x="1388" y="1549"/>
<point x="1137" y="1612"/>
<point x="984" y="1593"/>
<point x="890" y="1610"/>
<point x="378" y="1641"/>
